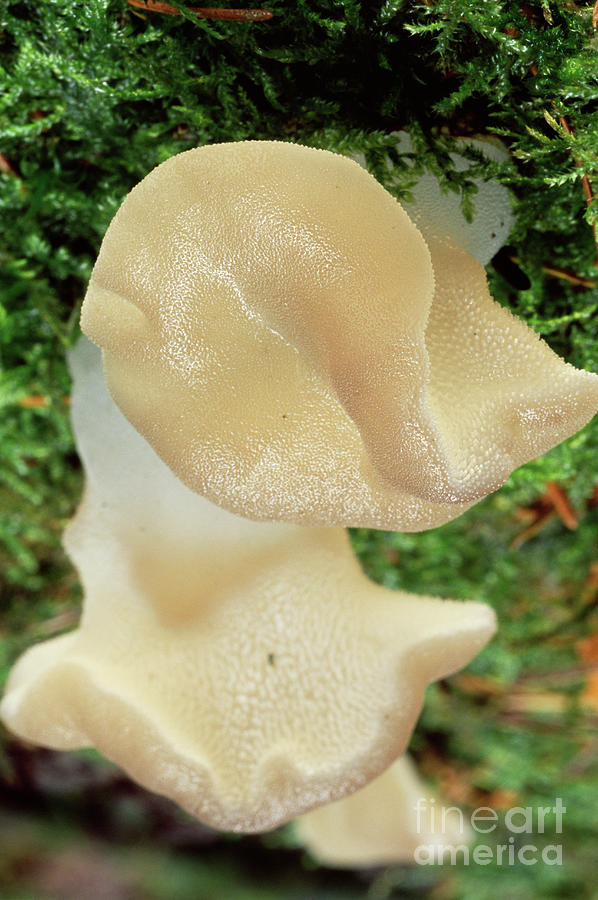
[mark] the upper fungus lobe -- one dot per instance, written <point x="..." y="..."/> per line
<point x="249" y="671"/>
<point x="295" y="349"/>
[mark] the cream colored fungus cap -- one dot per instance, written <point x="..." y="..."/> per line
<point x="281" y="333"/>
<point x="249" y="671"/>
<point x="382" y="824"/>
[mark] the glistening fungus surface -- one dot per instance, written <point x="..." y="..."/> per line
<point x="286" y="339"/>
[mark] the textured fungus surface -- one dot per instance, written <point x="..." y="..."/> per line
<point x="283" y="335"/>
<point x="249" y="671"/>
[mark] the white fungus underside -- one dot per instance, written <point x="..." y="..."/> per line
<point x="383" y="823"/>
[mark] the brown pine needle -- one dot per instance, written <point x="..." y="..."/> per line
<point x="538" y="702"/>
<point x="560" y="501"/>
<point x="6" y="166"/>
<point x="479" y="684"/>
<point x="589" y="594"/>
<point x="585" y="182"/>
<point x="33" y="401"/>
<point x="564" y="275"/>
<point x="554" y="502"/>
<point x="204" y="12"/>
<point x="532" y="530"/>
